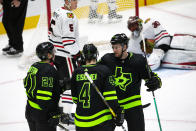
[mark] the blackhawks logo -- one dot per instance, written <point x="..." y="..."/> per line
<point x="70" y="15"/>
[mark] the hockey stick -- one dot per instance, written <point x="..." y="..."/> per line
<point x="62" y="127"/>
<point x="146" y="105"/>
<point x="105" y="102"/>
<point x="144" y="46"/>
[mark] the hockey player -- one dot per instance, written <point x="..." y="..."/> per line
<point x="42" y="89"/>
<point x="91" y="112"/>
<point x="155" y="36"/>
<point x="64" y="35"/>
<point x="111" y="10"/>
<point x="128" y="71"/>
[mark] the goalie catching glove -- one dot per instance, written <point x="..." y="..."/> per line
<point x="153" y="83"/>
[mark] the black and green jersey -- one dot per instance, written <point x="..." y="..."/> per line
<point x="127" y="74"/>
<point x="42" y="87"/>
<point x="91" y="110"/>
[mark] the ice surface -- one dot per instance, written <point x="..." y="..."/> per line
<point x="175" y="101"/>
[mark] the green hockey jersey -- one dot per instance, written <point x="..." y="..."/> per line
<point x="91" y="110"/>
<point x="128" y="75"/>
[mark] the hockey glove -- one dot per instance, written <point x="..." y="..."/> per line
<point x="79" y="58"/>
<point x="119" y="119"/>
<point x="65" y="84"/>
<point x="67" y="119"/>
<point x="54" y="118"/>
<point x="153" y="83"/>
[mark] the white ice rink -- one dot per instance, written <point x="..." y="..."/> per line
<point x="175" y="100"/>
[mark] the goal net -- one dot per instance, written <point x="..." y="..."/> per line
<point x="99" y="32"/>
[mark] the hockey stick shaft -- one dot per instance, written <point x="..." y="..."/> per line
<point x="103" y="99"/>
<point x="157" y="113"/>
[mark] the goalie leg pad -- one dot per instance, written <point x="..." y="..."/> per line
<point x="154" y="60"/>
<point x="184" y="41"/>
<point x="180" y="59"/>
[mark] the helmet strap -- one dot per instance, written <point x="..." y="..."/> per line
<point x="122" y="45"/>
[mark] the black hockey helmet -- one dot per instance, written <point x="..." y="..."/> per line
<point x="134" y="21"/>
<point x="43" y="49"/>
<point x="119" y="39"/>
<point x="90" y="52"/>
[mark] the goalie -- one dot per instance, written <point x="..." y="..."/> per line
<point x="162" y="49"/>
<point x="111" y="10"/>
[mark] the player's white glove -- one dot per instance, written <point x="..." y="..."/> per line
<point x="154" y="60"/>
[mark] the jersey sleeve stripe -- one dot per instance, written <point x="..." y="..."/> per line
<point x="34" y="105"/>
<point x="66" y="52"/>
<point x="131" y="105"/>
<point x="68" y="38"/>
<point x="55" y="41"/>
<point x="59" y="46"/>
<point x="68" y="41"/>
<point x="111" y="98"/>
<point x="109" y="92"/>
<point x="129" y="98"/>
<point x="161" y="35"/>
<point x="44" y="92"/>
<point x="43" y="98"/>
<point x="93" y="116"/>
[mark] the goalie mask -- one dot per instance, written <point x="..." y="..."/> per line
<point x="43" y="49"/>
<point x="90" y="52"/>
<point x="134" y="23"/>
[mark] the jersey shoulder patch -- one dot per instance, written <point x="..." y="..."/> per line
<point x="70" y="15"/>
<point x="155" y="24"/>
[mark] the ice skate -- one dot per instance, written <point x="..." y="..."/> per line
<point x="113" y="17"/>
<point x="94" y="16"/>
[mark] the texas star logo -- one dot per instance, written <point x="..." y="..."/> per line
<point x="120" y="79"/>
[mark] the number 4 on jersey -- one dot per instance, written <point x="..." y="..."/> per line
<point x="84" y="95"/>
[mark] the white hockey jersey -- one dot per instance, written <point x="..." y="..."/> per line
<point x="63" y="32"/>
<point x="152" y="29"/>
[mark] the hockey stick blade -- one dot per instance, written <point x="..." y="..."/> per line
<point x="62" y="127"/>
<point x="146" y="105"/>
